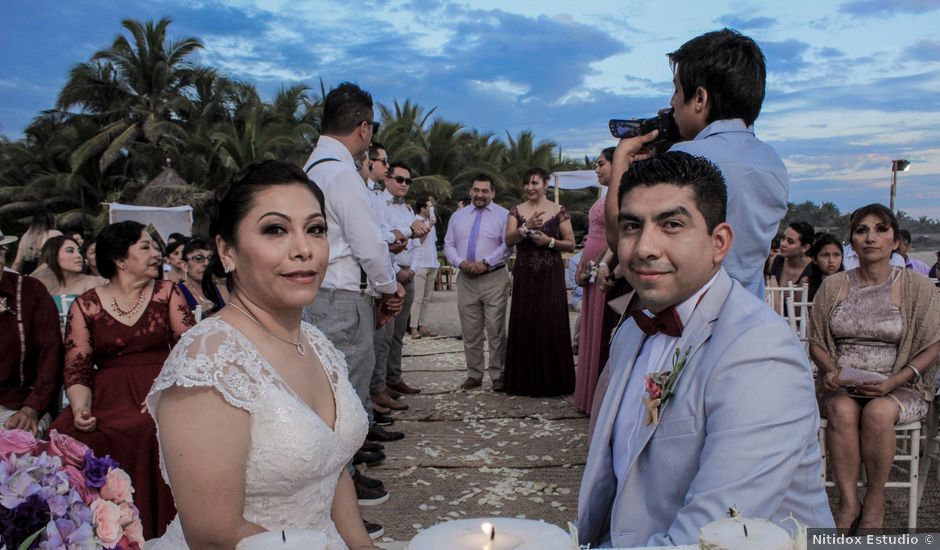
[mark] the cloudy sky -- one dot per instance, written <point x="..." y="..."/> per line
<point x="852" y="84"/>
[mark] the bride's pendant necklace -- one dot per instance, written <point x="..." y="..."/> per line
<point x="131" y="311"/>
<point x="299" y="346"/>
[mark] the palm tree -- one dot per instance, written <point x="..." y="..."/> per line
<point x="137" y="87"/>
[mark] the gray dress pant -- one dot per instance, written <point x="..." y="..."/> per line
<point x="388" y="342"/>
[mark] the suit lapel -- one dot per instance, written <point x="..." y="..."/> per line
<point x="693" y="337"/>
<point x="621" y="362"/>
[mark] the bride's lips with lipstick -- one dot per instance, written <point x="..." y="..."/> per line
<point x="301" y="277"/>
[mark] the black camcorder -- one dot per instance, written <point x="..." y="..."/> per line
<point x="663" y="121"/>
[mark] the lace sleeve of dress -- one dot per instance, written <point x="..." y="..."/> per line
<point x="515" y="212"/>
<point x="333" y="359"/>
<point x="213" y="355"/>
<point x="79" y="349"/>
<point x="563" y="214"/>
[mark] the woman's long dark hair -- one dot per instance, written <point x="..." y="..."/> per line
<point x="50" y="255"/>
<point x="231" y="204"/>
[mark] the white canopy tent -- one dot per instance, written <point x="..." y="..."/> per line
<point x="177" y="219"/>
<point x="575" y="179"/>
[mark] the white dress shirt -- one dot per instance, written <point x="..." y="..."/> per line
<point x="425" y="255"/>
<point x="491" y="239"/>
<point x="400" y="216"/>
<point x="654" y="356"/>
<point x="354" y="236"/>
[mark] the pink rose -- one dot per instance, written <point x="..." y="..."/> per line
<point x="129" y="514"/>
<point x="117" y="487"/>
<point x="105" y="517"/>
<point x="69" y="449"/>
<point x="77" y="481"/>
<point x="17" y="441"/>
<point x="135" y="534"/>
<point x="652" y="388"/>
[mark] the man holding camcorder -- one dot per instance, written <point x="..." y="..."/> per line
<point x="719" y="80"/>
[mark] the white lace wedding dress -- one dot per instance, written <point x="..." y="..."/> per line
<point x="294" y="459"/>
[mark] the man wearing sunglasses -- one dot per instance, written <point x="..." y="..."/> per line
<point x="388" y="339"/>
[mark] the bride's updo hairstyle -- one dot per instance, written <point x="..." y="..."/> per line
<point x="231" y="203"/>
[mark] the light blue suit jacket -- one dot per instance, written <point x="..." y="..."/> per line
<point x="740" y="430"/>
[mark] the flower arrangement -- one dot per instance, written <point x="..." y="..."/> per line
<point x="659" y="386"/>
<point x="57" y="494"/>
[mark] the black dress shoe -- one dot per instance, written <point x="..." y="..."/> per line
<point x="368" y="458"/>
<point x="361" y="479"/>
<point x="499" y="385"/>
<point x="371" y="447"/>
<point x="369" y="496"/>
<point x="375" y="530"/>
<point x="392" y="393"/>
<point x="471" y="383"/>
<point x="382" y="419"/>
<point x="378" y="433"/>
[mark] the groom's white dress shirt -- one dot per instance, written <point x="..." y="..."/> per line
<point x="654" y="356"/>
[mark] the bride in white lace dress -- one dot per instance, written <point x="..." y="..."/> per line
<point x="256" y="417"/>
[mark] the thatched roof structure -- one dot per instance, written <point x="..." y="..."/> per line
<point x="169" y="189"/>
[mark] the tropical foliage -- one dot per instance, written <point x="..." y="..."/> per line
<point x="142" y="105"/>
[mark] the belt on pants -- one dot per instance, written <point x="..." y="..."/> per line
<point x="332" y="294"/>
<point x="495" y="268"/>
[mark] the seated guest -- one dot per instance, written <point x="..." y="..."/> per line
<point x="126" y="329"/>
<point x="774" y="252"/>
<point x="826" y="255"/>
<point x="30" y="365"/>
<point x="904" y="247"/>
<point x="61" y="267"/>
<point x="174" y="258"/>
<point x="793" y="262"/>
<point x="40" y="229"/>
<point x="197" y="254"/>
<point x="880" y="319"/>
<point x="710" y="399"/>
<point x="933" y="269"/>
<point x="89" y="252"/>
<point x="577" y="291"/>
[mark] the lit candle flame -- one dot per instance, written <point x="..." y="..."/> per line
<point x="489" y="529"/>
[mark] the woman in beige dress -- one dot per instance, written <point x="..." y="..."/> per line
<point x="879" y="319"/>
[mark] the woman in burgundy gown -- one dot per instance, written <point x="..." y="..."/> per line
<point x="539" y="361"/>
<point x="126" y="329"/>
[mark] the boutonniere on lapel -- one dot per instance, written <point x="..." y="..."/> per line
<point x="659" y="386"/>
<point x="4" y="308"/>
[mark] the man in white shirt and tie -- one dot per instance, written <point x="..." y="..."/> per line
<point x="476" y="243"/>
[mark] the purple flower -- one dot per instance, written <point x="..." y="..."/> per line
<point x="21" y="522"/>
<point x="17" y="488"/>
<point x="82" y="538"/>
<point x="96" y="469"/>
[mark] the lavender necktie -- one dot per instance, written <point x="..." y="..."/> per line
<point x="474" y="233"/>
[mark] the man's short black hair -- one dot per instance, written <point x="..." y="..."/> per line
<point x="805" y="231"/>
<point x="399" y="164"/>
<point x="905" y="235"/>
<point x="345" y="107"/>
<point x="731" y="68"/>
<point x="682" y="170"/>
<point x="374" y="149"/>
<point x="483" y="176"/>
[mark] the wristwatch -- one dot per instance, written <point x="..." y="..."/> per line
<point x="486" y="263"/>
<point x="551" y="243"/>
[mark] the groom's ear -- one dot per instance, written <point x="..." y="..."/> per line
<point x="722" y="238"/>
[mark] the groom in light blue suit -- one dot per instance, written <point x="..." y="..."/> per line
<point x="710" y="403"/>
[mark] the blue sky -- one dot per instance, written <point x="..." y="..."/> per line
<point x="852" y="84"/>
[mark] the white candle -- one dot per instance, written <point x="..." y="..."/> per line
<point x="510" y="534"/>
<point x="285" y="539"/>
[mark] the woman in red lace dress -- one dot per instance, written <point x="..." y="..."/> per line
<point x="126" y="329"/>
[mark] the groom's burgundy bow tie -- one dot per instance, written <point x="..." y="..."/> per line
<point x="666" y="321"/>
